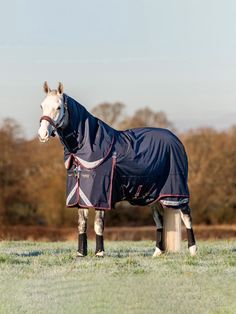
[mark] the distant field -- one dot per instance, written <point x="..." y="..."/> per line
<point x="44" y="278"/>
<point x="39" y="233"/>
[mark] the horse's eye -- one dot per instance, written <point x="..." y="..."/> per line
<point x="59" y="107"/>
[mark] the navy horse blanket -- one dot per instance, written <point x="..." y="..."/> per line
<point x="105" y="166"/>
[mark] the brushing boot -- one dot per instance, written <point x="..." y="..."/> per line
<point x="99" y="252"/>
<point x="82" y="245"/>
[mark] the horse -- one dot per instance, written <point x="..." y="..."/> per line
<point x="144" y="166"/>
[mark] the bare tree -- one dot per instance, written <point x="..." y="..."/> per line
<point x="112" y="114"/>
<point x="146" y="118"/>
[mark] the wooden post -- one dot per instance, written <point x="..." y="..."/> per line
<point x="172" y="230"/>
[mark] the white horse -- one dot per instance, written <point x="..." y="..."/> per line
<point x="56" y="117"/>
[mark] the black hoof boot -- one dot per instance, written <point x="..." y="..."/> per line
<point x="159" y="243"/>
<point x="99" y="252"/>
<point x="191" y="242"/>
<point x="191" y="238"/>
<point x="82" y="247"/>
<point x="159" y="239"/>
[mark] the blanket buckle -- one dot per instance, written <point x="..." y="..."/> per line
<point x="77" y="171"/>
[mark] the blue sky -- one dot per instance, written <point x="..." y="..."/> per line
<point x="178" y="56"/>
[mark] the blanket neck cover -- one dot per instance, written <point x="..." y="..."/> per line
<point x="105" y="166"/>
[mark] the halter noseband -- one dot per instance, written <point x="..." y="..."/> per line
<point x="50" y="120"/>
<point x="62" y="122"/>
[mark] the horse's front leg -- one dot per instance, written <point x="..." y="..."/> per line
<point x="82" y="232"/>
<point x="187" y="220"/>
<point x="99" y="228"/>
<point x="157" y="212"/>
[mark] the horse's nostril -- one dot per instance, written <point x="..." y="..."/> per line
<point x="43" y="135"/>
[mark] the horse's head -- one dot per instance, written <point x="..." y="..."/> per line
<point x="53" y="112"/>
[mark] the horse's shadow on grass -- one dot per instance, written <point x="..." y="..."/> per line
<point x="36" y="253"/>
<point x="30" y="254"/>
<point x="129" y="253"/>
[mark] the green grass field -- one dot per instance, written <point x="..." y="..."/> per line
<point x="45" y="278"/>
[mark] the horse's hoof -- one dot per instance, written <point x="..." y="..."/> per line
<point x="79" y="255"/>
<point x="193" y="250"/>
<point x="99" y="254"/>
<point x="157" y="252"/>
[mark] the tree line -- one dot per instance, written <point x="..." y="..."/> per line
<point x="33" y="177"/>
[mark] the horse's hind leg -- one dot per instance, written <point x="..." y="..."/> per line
<point x="82" y="230"/>
<point x="187" y="220"/>
<point x="99" y="228"/>
<point x="157" y="212"/>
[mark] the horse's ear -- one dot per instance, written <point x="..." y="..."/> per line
<point x="60" y="88"/>
<point x="46" y="88"/>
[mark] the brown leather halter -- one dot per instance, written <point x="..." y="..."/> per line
<point x="50" y="120"/>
